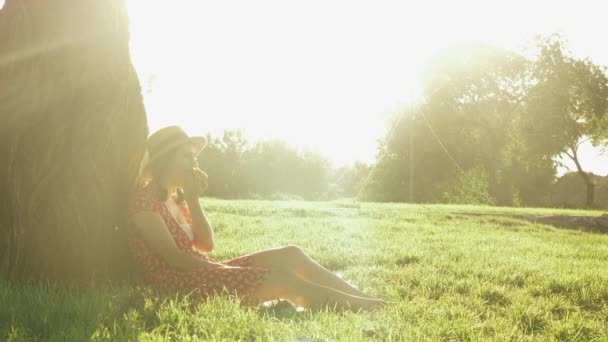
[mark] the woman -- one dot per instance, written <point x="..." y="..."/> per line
<point x="169" y="233"/>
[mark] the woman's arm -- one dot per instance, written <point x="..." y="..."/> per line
<point x="203" y="232"/>
<point x="154" y="231"/>
<point x="194" y="186"/>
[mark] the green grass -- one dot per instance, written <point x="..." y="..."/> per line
<point x="456" y="277"/>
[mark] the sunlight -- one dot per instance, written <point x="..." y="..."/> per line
<point x="326" y="75"/>
<point x="459" y="228"/>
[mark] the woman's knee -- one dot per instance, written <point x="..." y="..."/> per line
<point x="292" y="251"/>
<point x="284" y="258"/>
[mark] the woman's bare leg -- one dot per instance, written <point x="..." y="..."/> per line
<point x="292" y="258"/>
<point x="284" y="284"/>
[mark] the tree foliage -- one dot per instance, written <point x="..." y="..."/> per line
<point x="238" y="169"/>
<point x="498" y="115"/>
<point x="567" y="105"/>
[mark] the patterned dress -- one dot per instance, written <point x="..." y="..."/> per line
<point x="242" y="280"/>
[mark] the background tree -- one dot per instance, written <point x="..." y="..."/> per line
<point x="566" y="192"/>
<point x="392" y="177"/>
<point x="72" y="135"/>
<point x="346" y="181"/>
<point x="266" y="168"/>
<point x="567" y="105"/>
<point x="273" y="166"/>
<point x="473" y="97"/>
<point x="466" y="128"/>
<point x="222" y="159"/>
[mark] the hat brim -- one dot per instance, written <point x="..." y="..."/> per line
<point x="198" y="143"/>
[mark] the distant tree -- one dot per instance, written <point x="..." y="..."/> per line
<point x="268" y="164"/>
<point x="222" y="159"/>
<point x="468" y="124"/>
<point x="266" y="168"/>
<point x="567" y="105"/>
<point x="398" y="154"/>
<point x="275" y="166"/>
<point x="470" y="187"/>
<point x="473" y="97"/>
<point x="312" y="174"/>
<point x="566" y="192"/>
<point x="346" y="181"/>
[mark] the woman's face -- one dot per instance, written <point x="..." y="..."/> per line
<point x="184" y="160"/>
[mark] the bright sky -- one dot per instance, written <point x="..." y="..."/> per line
<point x="325" y="73"/>
<point x="321" y="73"/>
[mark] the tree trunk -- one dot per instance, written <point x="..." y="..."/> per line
<point x="590" y="194"/>
<point x="72" y="135"/>
<point x="590" y="187"/>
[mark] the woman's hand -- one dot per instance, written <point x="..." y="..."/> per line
<point x="195" y="183"/>
<point x="203" y="180"/>
<point x="194" y="186"/>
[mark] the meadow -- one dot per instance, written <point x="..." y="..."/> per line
<point x="455" y="277"/>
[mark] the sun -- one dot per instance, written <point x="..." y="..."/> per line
<point x="318" y="74"/>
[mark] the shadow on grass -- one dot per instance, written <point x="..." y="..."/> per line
<point x="587" y="224"/>
<point x="281" y="309"/>
<point x="284" y="310"/>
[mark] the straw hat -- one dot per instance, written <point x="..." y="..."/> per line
<point x="166" y="140"/>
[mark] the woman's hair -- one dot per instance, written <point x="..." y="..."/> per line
<point x="156" y="170"/>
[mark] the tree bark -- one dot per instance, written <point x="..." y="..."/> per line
<point x="72" y="135"/>
<point x="590" y="186"/>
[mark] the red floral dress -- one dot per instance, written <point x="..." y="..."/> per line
<point x="243" y="279"/>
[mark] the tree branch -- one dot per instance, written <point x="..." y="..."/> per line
<point x="582" y="141"/>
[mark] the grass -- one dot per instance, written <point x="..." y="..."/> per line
<point x="456" y="277"/>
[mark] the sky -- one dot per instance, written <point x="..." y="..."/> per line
<point x="326" y="74"/>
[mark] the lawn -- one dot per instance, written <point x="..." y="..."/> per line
<point x="455" y="276"/>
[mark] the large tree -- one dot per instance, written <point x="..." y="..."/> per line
<point x="72" y="135"/>
<point x="567" y="105"/>
<point x="463" y="137"/>
<point x="473" y="98"/>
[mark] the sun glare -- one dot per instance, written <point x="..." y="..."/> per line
<point x="321" y="74"/>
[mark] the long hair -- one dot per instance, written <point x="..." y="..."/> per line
<point x="153" y="171"/>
